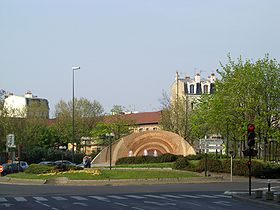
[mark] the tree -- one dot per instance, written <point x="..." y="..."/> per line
<point x="175" y="116"/>
<point x="87" y="114"/>
<point x="247" y="92"/>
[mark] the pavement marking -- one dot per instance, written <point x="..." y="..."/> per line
<point x="223" y="203"/>
<point x="40" y="198"/>
<point x="155" y="196"/>
<point x="207" y="196"/>
<point x="137" y="208"/>
<point x="190" y="196"/>
<point x="100" y="198"/>
<point x="59" y="198"/>
<point x="3" y="199"/>
<point x="20" y="199"/>
<point x="79" y="198"/>
<point x="172" y="196"/>
<point x="135" y="196"/>
<point x="224" y="196"/>
<point x="80" y="204"/>
<point x="191" y="203"/>
<point x="6" y="204"/>
<point x="116" y="197"/>
<point x="160" y="204"/>
<point x="120" y="204"/>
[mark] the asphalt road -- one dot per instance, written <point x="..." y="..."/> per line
<point x="138" y="197"/>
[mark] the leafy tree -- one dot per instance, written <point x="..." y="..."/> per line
<point x="87" y="114"/>
<point x="175" y="116"/>
<point x="247" y="92"/>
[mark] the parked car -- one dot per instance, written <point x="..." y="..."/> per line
<point x="51" y="163"/>
<point x="64" y="162"/>
<point x="23" y="164"/>
<point x="9" y="168"/>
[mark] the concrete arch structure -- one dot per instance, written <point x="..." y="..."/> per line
<point x="161" y="141"/>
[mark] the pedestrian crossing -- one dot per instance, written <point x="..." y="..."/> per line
<point x="107" y="198"/>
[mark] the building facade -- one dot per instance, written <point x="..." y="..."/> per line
<point x="192" y="87"/>
<point x="26" y="106"/>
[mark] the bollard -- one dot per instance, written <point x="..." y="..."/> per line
<point x="269" y="195"/>
<point x="278" y="197"/>
<point x="268" y="186"/>
<point x="258" y="194"/>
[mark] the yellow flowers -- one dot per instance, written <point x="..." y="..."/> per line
<point x="94" y="172"/>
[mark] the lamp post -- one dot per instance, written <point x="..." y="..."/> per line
<point x="74" y="68"/>
<point x="110" y="136"/>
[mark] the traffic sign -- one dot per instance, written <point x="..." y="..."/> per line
<point x="211" y="141"/>
<point x="211" y="147"/>
<point x="11" y="141"/>
<point x="1" y="169"/>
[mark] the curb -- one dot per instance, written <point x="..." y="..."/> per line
<point x="112" y="182"/>
<point x="255" y="200"/>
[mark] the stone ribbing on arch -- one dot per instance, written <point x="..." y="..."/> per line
<point x="162" y="141"/>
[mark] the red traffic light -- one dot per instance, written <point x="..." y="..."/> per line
<point x="250" y="127"/>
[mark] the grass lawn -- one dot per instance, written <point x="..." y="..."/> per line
<point x="146" y="165"/>
<point x="110" y="174"/>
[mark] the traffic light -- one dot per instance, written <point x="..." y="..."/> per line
<point x="251" y="134"/>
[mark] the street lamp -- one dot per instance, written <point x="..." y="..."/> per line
<point x="110" y="136"/>
<point x="74" y="68"/>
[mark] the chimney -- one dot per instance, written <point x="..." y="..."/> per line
<point x="212" y="78"/>
<point x="197" y="78"/>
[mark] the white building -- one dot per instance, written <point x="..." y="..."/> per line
<point x="193" y="88"/>
<point x="26" y="106"/>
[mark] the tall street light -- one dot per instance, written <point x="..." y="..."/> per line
<point x="74" y="68"/>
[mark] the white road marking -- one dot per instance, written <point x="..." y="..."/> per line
<point x="155" y="196"/>
<point x="59" y="198"/>
<point x="20" y="199"/>
<point x="3" y="199"/>
<point x="100" y="198"/>
<point x="40" y="198"/>
<point x="223" y="203"/>
<point x="172" y="196"/>
<point x="79" y="198"/>
<point x="80" y="204"/>
<point x="190" y="196"/>
<point x="116" y="197"/>
<point x="135" y="196"/>
<point x="137" y="208"/>
<point x="160" y="204"/>
<point x="120" y="204"/>
<point x="207" y="196"/>
<point x="191" y="203"/>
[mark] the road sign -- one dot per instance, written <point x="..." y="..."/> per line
<point x="211" y="147"/>
<point x="1" y="169"/>
<point x="211" y="141"/>
<point x="250" y="152"/>
<point x="11" y="141"/>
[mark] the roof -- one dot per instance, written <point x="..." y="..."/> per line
<point x="142" y="118"/>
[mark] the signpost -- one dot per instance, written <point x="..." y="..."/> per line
<point x="210" y="144"/>
<point x="10" y="141"/>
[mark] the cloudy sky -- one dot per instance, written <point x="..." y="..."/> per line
<point x="128" y="50"/>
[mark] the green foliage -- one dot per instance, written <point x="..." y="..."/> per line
<point x="147" y="159"/>
<point x="248" y="92"/>
<point x="39" y="169"/>
<point x="167" y="157"/>
<point x="38" y="154"/>
<point x="181" y="163"/>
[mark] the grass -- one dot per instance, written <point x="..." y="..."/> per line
<point x="146" y="165"/>
<point x="111" y="174"/>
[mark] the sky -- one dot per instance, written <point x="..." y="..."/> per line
<point x="128" y="50"/>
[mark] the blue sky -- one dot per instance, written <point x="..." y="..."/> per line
<point x="128" y="50"/>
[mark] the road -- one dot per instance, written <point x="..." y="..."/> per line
<point x="141" y="197"/>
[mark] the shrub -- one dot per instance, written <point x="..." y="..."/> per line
<point x="181" y="163"/>
<point x="167" y="157"/>
<point x="39" y="169"/>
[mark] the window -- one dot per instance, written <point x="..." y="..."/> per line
<point x="205" y="89"/>
<point x="191" y="89"/>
